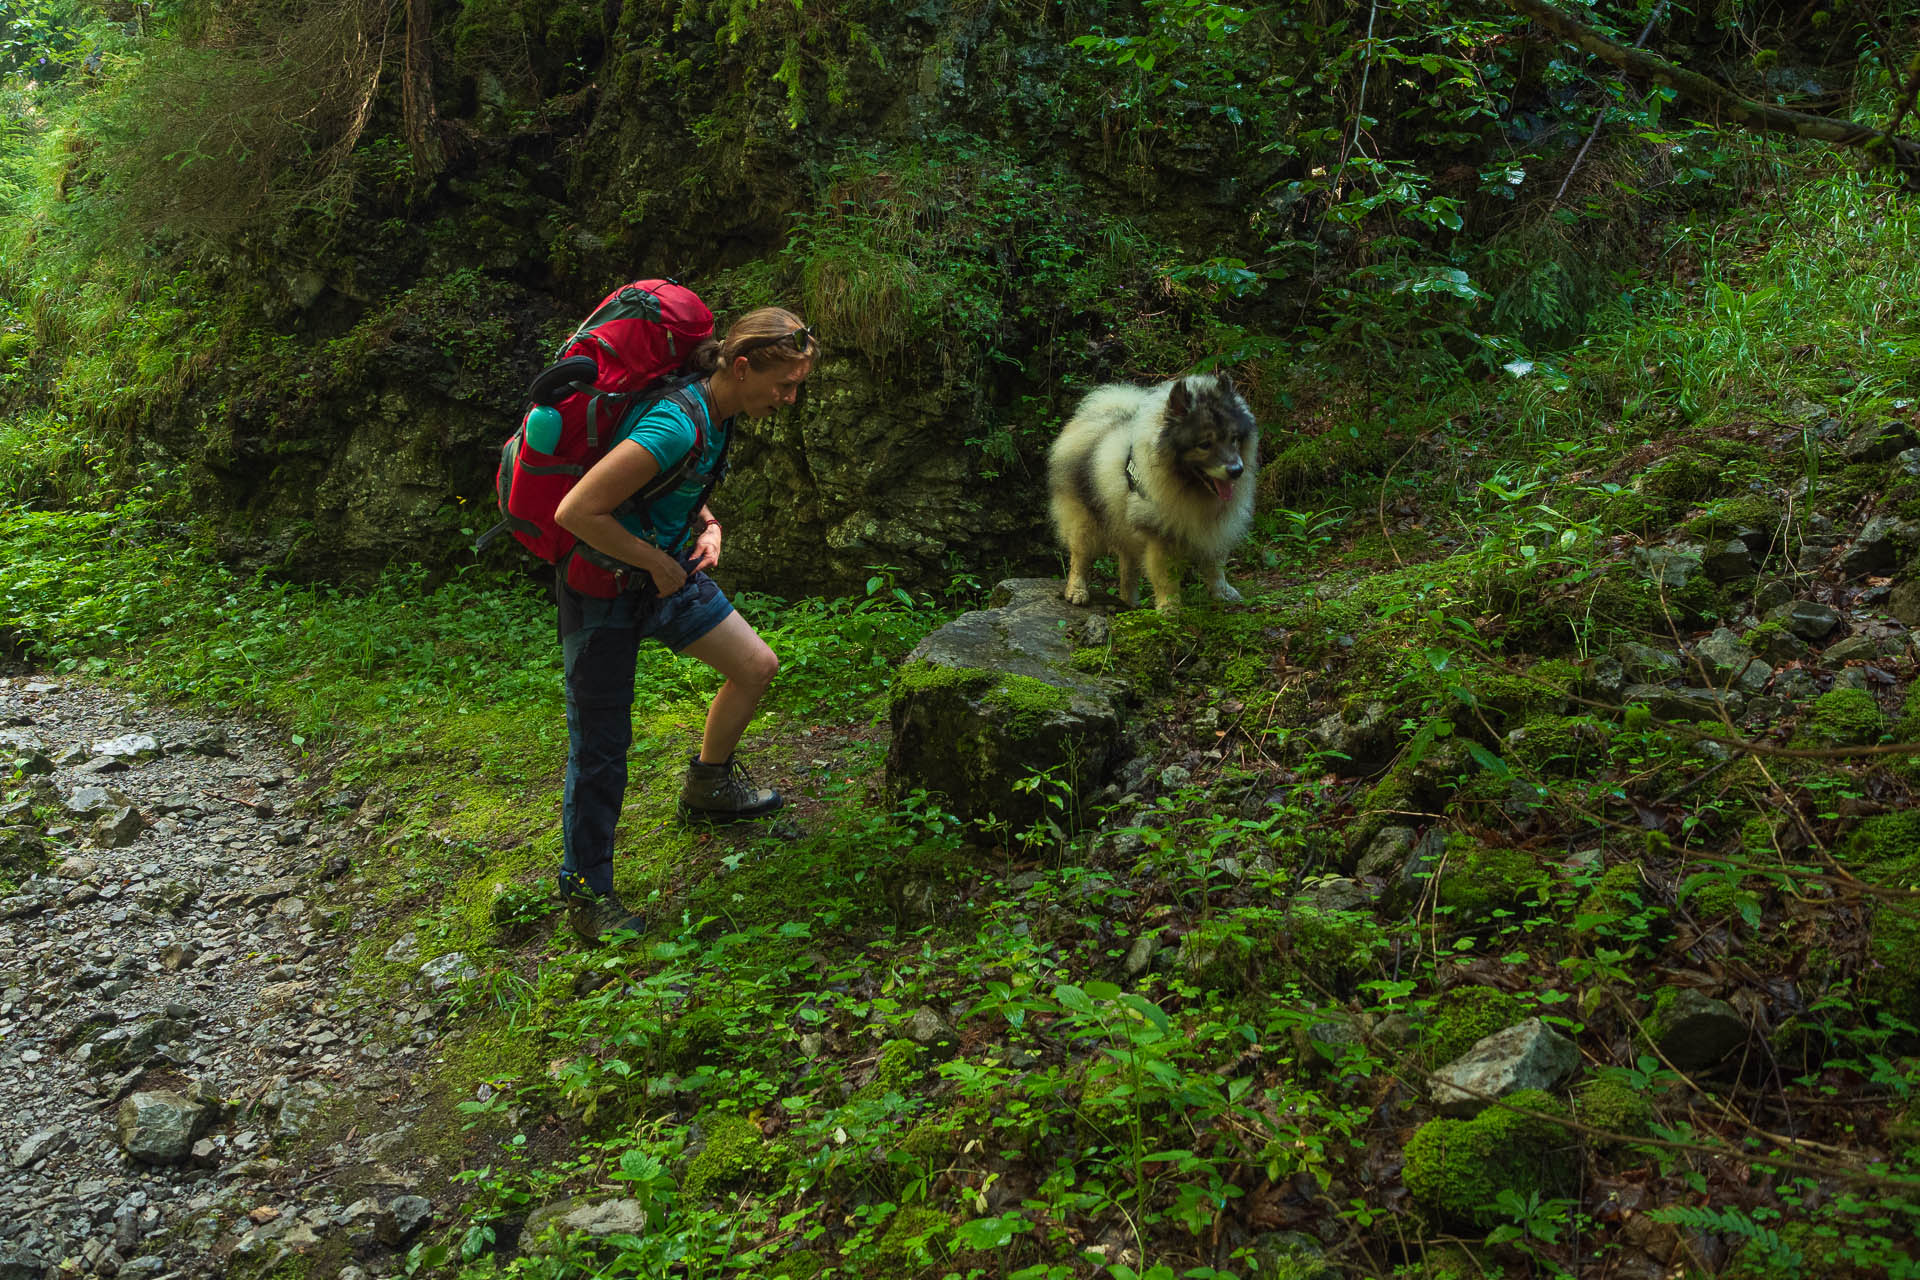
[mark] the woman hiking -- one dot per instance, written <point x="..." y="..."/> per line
<point x="756" y="369"/>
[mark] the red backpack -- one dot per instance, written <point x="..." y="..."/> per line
<point x="620" y="356"/>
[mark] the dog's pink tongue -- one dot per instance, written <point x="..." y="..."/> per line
<point x="1223" y="487"/>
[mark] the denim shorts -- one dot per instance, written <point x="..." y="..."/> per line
<point x="676" y="622"/>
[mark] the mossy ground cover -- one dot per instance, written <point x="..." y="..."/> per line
<point x="881" y="1042"/>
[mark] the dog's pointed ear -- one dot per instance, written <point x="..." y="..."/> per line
<point x="1179" y="400"/>
<point x="1225" y="378"/>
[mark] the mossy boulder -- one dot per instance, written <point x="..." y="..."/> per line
<point x="992" y="699"/>
<point x="1480" y="880"/>
<point x="1611" y="1105"/>
<point x="1458" y="1168"/>
<point x="1463" y="1017"/>
<point x="1844" y="717"/>
<point x="734" y="1151"/>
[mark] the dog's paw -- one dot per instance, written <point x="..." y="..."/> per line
<point x="1226" y="593"/>
<point x="1167" y="606"/>
<point x="1078" y="595"/>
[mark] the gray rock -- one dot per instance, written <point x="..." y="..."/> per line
<point x="1645" y="664"/>
<point x="1728" y="560"/>
<point x="17" y="1262"/>
<point x="1781" y="646"/>
<point x="1722" y="654"/>
<point x="1880" y="441"/>
<point x="100" y="765"/>
<point x="1808" y="619"/>
<point x="119" y="828"/>
<point x="296" y="1107"/>
<point x="1174" y="777"/>
<point x="927" y="1027"/>
<point x="1334" y="893"/>
<point x="448" y="970"/>
<point x="1883" y="543"/>
<point x="1851" y="649"/>
<point x="1363" y="734"/>
<point x="581" y="1215"/>
<point x="131" y="1043"/>
<point x="1672" y="566"/>
<point x="985" y="701"/>
<point x="1387" y="852"/>
<point x="405" y="950"/>
<point x="1139" y="956"/>
<point x="1693" y="1030"/>
<point x="92" y="802"/>
<point x="131" y="746"/>
<point x="158" y="1128"/>
<point x="39" y="1145"/>
<point x="402" y="1219"/>
<point x="1531" y="1055"/>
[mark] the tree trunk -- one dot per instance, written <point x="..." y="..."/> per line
<point x="422" y="120"/>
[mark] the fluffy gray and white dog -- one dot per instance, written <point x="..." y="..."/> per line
<point x="1158" y="476"/>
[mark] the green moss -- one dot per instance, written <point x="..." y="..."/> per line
<point x="1562" y="745"/>
<point x="1844" y="717"/>
<point x="1726" y="517"/>
<point x="907" y="1234"/>
<point x="1023" y="703"/>
<point x="1458" y="1168"/>
<point x="893" y="1071"/>
<point x="1463" y="1017"/>
<point x="735" y="1150"/>
<point x="918" y="676"/>
<point x="1615" y="898"/>
<point x="1479" y="880"/>
<point x="1714" y="895"/>
<point x="1885" y="852"/>
<point x="1608" y="1104"/>
<point x="1152" y="649"/>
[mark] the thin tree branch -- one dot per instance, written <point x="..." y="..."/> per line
<point x="1601" y="118"/>
<point x="1725" y="103"/>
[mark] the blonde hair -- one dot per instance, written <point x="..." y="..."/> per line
<point x="766" y="337"/>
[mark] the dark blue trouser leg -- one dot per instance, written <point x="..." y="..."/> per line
<point x="599" y="666"/>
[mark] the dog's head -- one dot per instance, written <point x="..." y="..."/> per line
<point x="1210" y="432"/>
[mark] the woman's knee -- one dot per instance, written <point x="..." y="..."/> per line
<point x="765" y="666"/>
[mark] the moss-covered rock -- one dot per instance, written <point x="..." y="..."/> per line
<point x="734" y="1151"/>
<point x="1480" y="880"/>
<point x="992" y="699"/>
<point x="1844" y="717"/>
<point x="1458" y="1168"/>
<point x="1608" y="1104"/>
<point x="1463" y="1017"/>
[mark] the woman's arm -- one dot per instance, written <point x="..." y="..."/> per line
<point x="587" y="513"/>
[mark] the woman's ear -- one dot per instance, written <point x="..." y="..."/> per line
<point x="740" y="368"/>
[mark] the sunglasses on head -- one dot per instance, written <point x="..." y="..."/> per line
<point x="804" y="340"/>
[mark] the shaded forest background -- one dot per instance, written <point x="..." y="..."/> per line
<point x="300" y="258"/>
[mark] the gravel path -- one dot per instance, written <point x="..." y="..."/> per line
<point x="171" y="1051"/>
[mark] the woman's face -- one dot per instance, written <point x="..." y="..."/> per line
<point x="765" y="391"/>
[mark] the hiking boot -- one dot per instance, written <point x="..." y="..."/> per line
<point x="593" y="917"/>
<point x="723" y="793"/>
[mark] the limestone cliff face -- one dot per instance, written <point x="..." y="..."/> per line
<point x="933" y="185"/>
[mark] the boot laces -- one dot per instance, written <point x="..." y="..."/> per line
<point x="738" y="784"/>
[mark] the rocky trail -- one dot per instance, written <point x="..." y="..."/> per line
<point x="183" y="1089"/>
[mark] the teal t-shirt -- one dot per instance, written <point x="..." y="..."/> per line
<point x="664" y="430"/>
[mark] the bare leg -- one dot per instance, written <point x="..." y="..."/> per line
<point x="1164" y="573"/>
<point x="1218" y="586"/>
<point x="736" y="651"/>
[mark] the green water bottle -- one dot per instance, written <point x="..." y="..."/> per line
<point x="543" y="428"/>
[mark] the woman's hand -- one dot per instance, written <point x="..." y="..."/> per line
<point x="706" y="548"/>
<point x="668" y="577"/>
